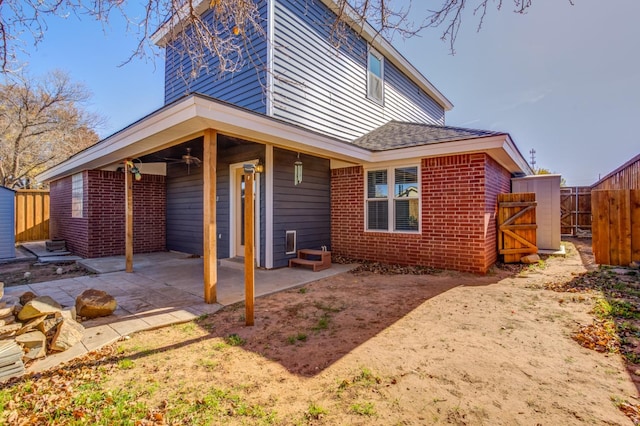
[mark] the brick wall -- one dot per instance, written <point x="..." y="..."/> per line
<point x="498" y="181"/>
<point x="458" y="216"/>
<point x="101" y="232"/>
<point x="61" y="225"/>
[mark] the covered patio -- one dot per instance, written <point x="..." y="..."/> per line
<point x="165" y="288"/>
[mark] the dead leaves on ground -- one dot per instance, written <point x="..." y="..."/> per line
<point x="384" y="268"/>
<point x="616" y="326"/>
<point x="599" y="336"/>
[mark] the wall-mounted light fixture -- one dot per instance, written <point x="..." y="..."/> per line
<point x="297" y="171"/>
<point x="134" y="169"/>
<point x="253" y="168"/>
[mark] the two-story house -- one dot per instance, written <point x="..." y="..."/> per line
<point x="353" y="146"/>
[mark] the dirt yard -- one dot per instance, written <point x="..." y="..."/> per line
<point x="14" y="273"/>
<point x="365" y="348"/>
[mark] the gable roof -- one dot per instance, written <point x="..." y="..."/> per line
<point x="396" y="134"/>
<point x="363" y="29"/>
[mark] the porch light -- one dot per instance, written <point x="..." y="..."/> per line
<point x="253" y="168"/>
<point x="135" y="171"/>
<point x="297" y="171"/>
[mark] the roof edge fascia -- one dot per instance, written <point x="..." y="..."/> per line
<point x="488" y="144"/>
<point x="208" y="113"/>
<point x="161" y="36"/>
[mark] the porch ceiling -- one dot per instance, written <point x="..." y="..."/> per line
<point x="188" y="118"/>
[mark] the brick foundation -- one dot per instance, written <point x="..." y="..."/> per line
<point x="100" y="232"/>
<point x="458" y="229"/>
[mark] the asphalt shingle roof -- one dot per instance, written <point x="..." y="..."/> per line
<point x="396" y="134"/>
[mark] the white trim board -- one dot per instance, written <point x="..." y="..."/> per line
<point x="193" y="115"/>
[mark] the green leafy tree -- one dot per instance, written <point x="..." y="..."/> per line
<point x="543" y="171"/>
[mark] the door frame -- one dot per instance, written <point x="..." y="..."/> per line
<point x="233" y="201"/>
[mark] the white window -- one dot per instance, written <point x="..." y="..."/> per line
<point x="397" y="210"/>
<point x="375" y="76"/>
<point x="77" y="194"/>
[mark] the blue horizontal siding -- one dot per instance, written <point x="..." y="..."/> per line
<point x="305" y="208"/>
<point x="323" y="89"/>
<point x="244" y="87"/>
<point x="7" y="223"/>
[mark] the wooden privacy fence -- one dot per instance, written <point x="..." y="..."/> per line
<point x="616" y="226"/>
<point x="32" y="215"/>
<point x="575" y="211"/>
<point x="517" y="225"/>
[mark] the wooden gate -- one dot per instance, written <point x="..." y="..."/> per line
<point x="32" y="215"/>
<point x="517" y="225"/>
<point x="575" y="206"/>
<point x="616" y="226"/>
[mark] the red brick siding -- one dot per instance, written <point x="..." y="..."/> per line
<point x="458" y="226"/>
<point x="61" y="225"/>
<point x="103" y="231"/>
<point x="498" y="181"/>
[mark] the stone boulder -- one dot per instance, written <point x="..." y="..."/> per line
<point x="27" y="297"/>
<point x="94" y="303"/>
<point x="530" y="259"/>
<point x="68" y="333"/>
<point x="34" y="343"/>
<point x="40" y="306"/>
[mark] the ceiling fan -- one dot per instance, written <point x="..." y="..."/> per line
<point x="187" y="159"/>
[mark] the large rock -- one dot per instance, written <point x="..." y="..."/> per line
<point x="1" y="289"/>
<point x="9" y="330"/>
<point x="530" y="259"/>
<point x="31" y="325"/>
<point x="43" y="305"/>
<point x="68" y="334"/>
<point x="27" y="297"/>
<point x="6" y="311"/>
<point x="68" y="313"/>
<point x="94" y="303"/>
<point x="50" y="326"/>
<point x="35" y="344"/>
<point x="8" y="320"/>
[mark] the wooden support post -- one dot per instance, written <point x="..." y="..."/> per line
<point x="249" y="264"/>
<point x="209" y="216"/>
<point x="128" y="241"/>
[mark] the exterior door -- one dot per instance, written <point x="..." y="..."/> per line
<point x="239" y="213"/>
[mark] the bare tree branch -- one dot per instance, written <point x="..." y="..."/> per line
<point x="42" y="123"/>
<point x="231" y="25"/>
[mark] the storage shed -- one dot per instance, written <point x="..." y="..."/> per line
<point x="548" y="214"/>
<point x="7" y="223"/>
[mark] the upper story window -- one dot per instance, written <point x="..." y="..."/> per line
<point x="393" y="199"/>
<point x="77" y="194"/>
<point x="375" y="76"/>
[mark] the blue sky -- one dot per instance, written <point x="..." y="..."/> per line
<point x="562" y="79"/>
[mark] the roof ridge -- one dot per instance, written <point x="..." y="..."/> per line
<point x="444" y="126"/>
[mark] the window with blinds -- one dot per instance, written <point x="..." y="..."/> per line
<point x="397" y="210"/>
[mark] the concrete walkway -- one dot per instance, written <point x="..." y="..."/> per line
<point x="165" y="288"/>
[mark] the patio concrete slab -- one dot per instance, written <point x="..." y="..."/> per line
<point x="165" y="288"/>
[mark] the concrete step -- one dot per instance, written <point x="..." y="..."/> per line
<point x="58" y="259"/>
